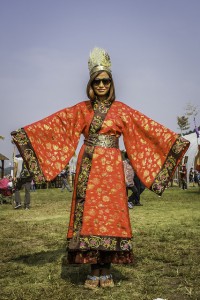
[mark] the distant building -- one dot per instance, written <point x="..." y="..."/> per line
<point x="2" y="159"/>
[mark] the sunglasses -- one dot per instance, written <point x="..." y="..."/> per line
<point x="105" y="81"/>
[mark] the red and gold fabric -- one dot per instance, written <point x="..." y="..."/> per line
<point x="99" y="220"/>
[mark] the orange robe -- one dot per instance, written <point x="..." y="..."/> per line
<point x="100" y="220"/>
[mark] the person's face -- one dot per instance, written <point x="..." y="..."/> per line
<point x="101" y="84"/>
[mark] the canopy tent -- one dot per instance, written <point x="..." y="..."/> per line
<point x="2" y="158"/>
<point x="192" y="152"/>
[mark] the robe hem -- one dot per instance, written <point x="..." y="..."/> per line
<point x="94" y="257"/>
<point x="102" y="243"/>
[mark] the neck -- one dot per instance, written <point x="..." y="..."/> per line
<point x="102" y="98"/>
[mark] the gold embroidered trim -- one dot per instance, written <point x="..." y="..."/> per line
<point x="174" y="157"/>
<point x="24" y="146"/>
<point x="104" y="243"/>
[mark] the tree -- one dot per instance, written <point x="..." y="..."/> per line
<point x="183" y="123"/>
<point x="2" y="137"/>
<point x="191" y="110"/>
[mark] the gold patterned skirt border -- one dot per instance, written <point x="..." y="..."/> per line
<point x="103" y="243"/>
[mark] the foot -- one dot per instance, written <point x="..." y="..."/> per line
<point x="17" y="206"/>
<point x="139" y="204"/>
<point x="92" y="282"/>
<point x="130" y="205"/>
<point x="106" y="281"/>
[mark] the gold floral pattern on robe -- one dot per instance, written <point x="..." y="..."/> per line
<point x="154" y="152"/>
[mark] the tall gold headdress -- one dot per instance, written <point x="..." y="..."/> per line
<point x="99" y="60"/>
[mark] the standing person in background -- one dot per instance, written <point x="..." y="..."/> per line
<point x="191" y="176"/>
<point x="17" y="196"/>
<point x="140" y="188"/>
<point x="72" y="164"/>
<point x="99" y="231"/>
<point x="24" y="181"/>
<point x="129" y="175"/>
<point x="27" y="200"/>
<point x="33" y="185"/>
<point x="65" y="183"/>
<point x="183" y="176"/>
<point x="196" y="177"/>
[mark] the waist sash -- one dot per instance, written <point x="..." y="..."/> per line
<point x="102" y="140"/>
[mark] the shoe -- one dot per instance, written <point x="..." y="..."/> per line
<point x="106" y="281"/>
<point x="138" y="204"/>
<point x="18" y="206"/>
<point x="130" y="205"/>
<point x="26" y="208"/>
<point x="92" y="282"/>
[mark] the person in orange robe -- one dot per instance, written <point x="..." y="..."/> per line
<point x="99" y="231"/>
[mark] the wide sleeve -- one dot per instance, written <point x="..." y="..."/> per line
<point x="154" y="150"/>
<point x="47" y="145"/>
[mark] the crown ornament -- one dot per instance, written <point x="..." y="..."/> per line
<point x="99" y="60"/>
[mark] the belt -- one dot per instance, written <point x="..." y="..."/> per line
<point x="102" y="140"/>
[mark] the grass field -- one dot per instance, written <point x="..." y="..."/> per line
<point x="166" y="247"/>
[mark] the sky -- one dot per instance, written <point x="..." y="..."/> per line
<point x="154" y="47"/>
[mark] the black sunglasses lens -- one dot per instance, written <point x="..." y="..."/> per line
<point x="105" y="81"/>
<point x="96" y="81"/>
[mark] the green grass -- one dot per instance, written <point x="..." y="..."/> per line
<point x="166" y="234"/>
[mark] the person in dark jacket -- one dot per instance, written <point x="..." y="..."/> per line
<point x="23" y="181"/>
